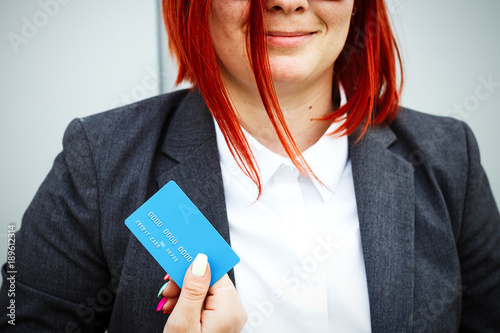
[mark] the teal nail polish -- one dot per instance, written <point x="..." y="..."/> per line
<point x="162" y="288"/>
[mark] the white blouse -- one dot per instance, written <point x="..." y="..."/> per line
<point x="302" y="267"/>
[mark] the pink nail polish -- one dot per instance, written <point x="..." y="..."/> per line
<point x="161" y="304"/>
<point x="166" y="277"/>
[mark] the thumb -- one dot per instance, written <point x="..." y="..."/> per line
<point x="194" y="291"/>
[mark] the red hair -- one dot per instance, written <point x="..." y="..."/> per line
<point x="366" y="69"/>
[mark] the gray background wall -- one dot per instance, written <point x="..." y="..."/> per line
<point x="75" y="58"/>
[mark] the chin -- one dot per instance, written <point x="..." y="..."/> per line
<point x="292" y="69"/>
<point x="287" y="73"/>
<point x="290" y="76"/>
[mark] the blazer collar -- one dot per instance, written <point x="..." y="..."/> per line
<point x="191" y="145"/>
<point x="190" y="148"/>
<point x="384" y="188"/>
<point x="190" y="127"/>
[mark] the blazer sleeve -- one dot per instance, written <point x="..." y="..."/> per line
<point x="62" y="283"/>
<point x="478" y="246"/>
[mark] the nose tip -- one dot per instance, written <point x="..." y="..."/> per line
<point x="287" y="6"/>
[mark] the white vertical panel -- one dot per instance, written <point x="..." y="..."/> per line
<point x="168" y="65"/>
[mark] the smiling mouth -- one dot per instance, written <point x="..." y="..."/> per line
<point x="288" y="39"/>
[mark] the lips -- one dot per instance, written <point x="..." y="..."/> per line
<point x="288" y="38"/>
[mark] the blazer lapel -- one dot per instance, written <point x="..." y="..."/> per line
<point x="384" y="188"/>
<point x="192" y="161"/>
<point x="191" y="145"/>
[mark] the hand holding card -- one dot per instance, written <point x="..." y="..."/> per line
<point x="198" y="308"/>
<point x="174" y="231"/>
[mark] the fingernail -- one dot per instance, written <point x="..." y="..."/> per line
<point x="166" y="277"/>
<point x="164" y="312"/>
<point x="199" y="265"/>
<point x="162" y="288"/>
<point x="161" y="304"/>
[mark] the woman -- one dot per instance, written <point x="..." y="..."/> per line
<point x="386" y="225"/>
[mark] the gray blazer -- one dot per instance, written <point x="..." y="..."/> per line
<point x="429" y="225"/>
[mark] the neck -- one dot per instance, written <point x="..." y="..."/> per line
<point x="300" y="106"/>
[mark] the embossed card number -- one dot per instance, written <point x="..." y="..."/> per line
<point x="174" y="231"/>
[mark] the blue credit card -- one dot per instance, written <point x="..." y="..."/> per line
<point x="174" y="231"/>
